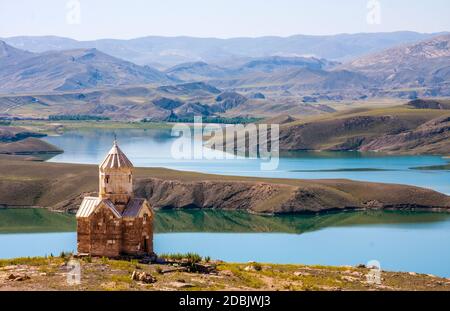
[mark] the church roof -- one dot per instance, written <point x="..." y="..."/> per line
<point x="89" y="205"/>
<point x="116" y="159"/>
<point x="133" y="207"/>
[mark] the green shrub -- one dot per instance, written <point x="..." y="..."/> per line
<point x="76" y="117"/>
<point x="193" y="257"/>
<point x="257" y="266"/>
<point x="88" y="259"/>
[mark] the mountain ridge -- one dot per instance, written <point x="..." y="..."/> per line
<point x="71" y="70"/>
<point x="170" y="51"/>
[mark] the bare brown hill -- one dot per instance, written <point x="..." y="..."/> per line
<point x="18" y="140"/>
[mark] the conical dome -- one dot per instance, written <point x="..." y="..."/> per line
<point x="116" y="159"/>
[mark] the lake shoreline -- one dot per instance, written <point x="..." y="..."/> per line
<point x="48" y="127"/>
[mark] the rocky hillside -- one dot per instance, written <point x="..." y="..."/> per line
<point x="424" y="64"/>
<point x="432" y="137"/>
<point x="278" y="198"/>
<point x="11" y="55"/>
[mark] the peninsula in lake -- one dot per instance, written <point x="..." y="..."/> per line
<point x="61" y="187"/>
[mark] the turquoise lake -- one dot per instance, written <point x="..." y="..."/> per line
<point x="400" y="242"/>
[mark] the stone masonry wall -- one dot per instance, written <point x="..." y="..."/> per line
<point x="106" y="237"/>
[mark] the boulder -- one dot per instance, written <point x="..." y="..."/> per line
<point x="143" y="277"/>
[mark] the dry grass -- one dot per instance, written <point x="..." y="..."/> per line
<point x="106" y="275"/>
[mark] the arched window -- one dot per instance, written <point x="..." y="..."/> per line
<point x="107" y="178"/>
<point x="129" y="178"/>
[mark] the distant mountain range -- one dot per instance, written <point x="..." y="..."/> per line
<point x="170" y="51"/>
<point x="198" y="71"/>
<point x="409" y="71"/>
<point x="93" y="82"/>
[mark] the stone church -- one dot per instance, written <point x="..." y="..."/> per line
<point x="115" y="223"/>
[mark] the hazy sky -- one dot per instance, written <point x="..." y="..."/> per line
<point x="217" y="18"/>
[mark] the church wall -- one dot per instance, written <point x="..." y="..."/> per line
<point x="137" y="237"/>
<point x="83" y="235"/>
<point x="147" y="230"/>
<point x="106" y="237"/>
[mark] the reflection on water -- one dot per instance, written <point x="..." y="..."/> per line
<point x="152" y="148"/>
<point x="168" y="221"/>
<point x="232" y="221"/>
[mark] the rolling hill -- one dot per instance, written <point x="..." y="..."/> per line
<point x="403" y="129"/>
<point x="156" y="103"/>
<point x="11" y="55"/>
<point x="256" y="67"/>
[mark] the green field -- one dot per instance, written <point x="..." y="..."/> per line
<point x="49" y="127"/>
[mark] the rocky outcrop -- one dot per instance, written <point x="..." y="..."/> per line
<point x="167" y="194"/>
<point x="229" y="100"/>
<point x="278" y="198"/>
<point x="431" y="137"/>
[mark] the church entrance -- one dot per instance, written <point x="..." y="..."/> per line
<point x="145" y="245"/>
